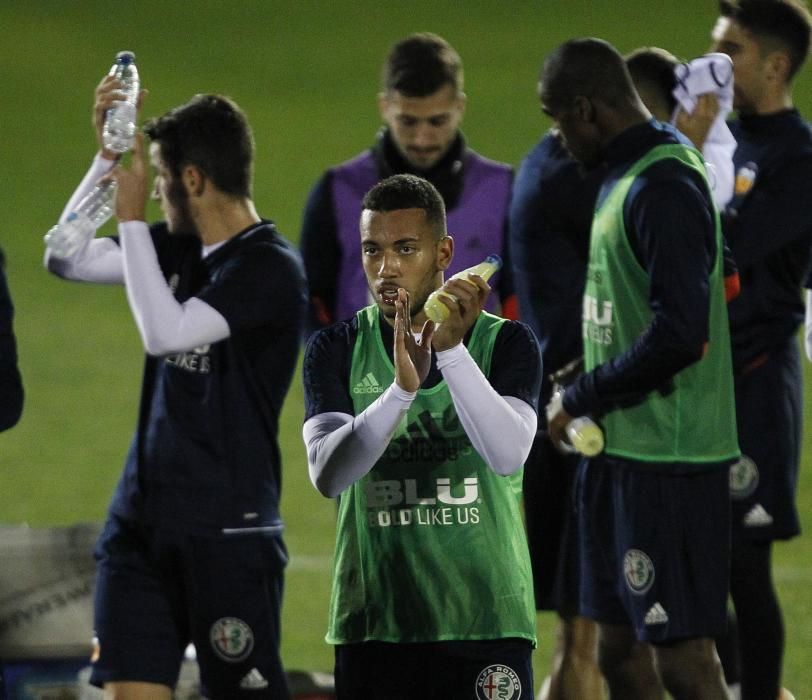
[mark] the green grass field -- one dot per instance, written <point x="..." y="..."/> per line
<point x="306" y="73"/>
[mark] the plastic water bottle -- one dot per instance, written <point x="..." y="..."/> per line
<point x="583" y="434"/>
<point x="118" y="135"/>
<point x="66" y="238"/>
<point x="436" y="310"/>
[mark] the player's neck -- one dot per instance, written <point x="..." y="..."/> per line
<point x="223" y="219"/>
<point x="773" y="102"/>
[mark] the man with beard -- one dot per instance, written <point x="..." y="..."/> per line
<point x="192" y="549"/>
<point x="423" y="431"/>
<point x="421" y="104"/>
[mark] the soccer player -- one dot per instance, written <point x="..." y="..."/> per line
<point x="192" y="548"/>
<point x="423" y="431"/>
<point x="769" y="229"/>
<point x="550" y="217"/>
<point x="421" y="104"/>
<point x="11" y="383"/>
<point x="653" y="508"/>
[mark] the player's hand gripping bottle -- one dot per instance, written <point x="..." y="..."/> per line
<point x="584" y="434"/>
<point x="436" y="310"/>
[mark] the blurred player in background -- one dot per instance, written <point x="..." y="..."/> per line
<point x="421" y="104"/>
<point x="11" y="383"/>
<point x="192" y="550"/>
<point x="768" y="226"/>
<point x="423" y="432"/>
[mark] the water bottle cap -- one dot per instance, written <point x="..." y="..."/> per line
<point x="125" y="57"/>
<point x="494" y="260"/>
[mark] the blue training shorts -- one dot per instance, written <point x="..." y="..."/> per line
<point x="769" y="420"/>
<point x="655" y="549"/>
<point x="496" y="669"/>
<point x="158" y="590"/>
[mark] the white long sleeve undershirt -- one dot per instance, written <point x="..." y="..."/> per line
<point x="341" y="448"/>
<point x="166" y="326"/>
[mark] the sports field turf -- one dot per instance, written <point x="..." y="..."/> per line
<point x="306" y="73"/>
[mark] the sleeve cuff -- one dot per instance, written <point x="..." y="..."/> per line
<point x="132" y="228"/>
<point x="401" y="394"/>
<point x="451" y="356"/>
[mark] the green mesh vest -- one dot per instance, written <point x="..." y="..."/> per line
<point x="696" y="421"/>
<point x="430" y="543"/>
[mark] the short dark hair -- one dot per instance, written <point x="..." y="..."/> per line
<point x="787" y="23"/>
<point x="408" y="192"/>
<point x="653" y="68"/>
<point x="212" y="133"/>
<point x="586" y="67"/>
<point x="420" y="65"/>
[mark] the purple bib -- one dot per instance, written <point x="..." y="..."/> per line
<point x="476" y="223"/>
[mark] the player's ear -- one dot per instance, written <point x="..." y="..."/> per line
<point x="583" y="108"/>
<point x="193" y="180"/>
<point x="445" y="252"/>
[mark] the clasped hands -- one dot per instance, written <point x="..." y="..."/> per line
<point x="412" y="357"/>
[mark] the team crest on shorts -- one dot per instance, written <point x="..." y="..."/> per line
<point x="743" y="478"/>
<point x="638" y="570"/>
<point x="231" y="639"/>
<point x="498" y="682"/>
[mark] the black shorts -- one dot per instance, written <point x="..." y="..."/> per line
<point x="158" y="590"/>
<point x="769" y="419"/>
<point x="551" y="520"/>
<point x="458" y="670"/>
<point x="655" y="550"/>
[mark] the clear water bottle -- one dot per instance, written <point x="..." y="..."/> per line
<point x="118" y="135"/>
<point x="436" y="310"/>
<point x="66" y="238"/>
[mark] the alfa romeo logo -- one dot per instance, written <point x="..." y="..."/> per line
<point x="231" y="639"/>
<point x="498" y="682"/>
<point x="638" y="570"/>
<point x="743" y="478"/>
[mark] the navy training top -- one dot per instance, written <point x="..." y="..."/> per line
<point x="205" y="456"/>
<point x="768" y="226"/>
<point x="551" y="211"/>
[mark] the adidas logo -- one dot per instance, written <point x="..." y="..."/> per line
<point x="368" y="385"/>
<point x="758" y="517"/>
<point x="656" y="615"/>
<point x="253" y="680"/>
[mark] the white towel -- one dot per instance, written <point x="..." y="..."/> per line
<point x="712" y="72"/>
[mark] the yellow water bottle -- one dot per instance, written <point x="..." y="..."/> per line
<point x="585" y="436"/>
<point x="436" y="310"/>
